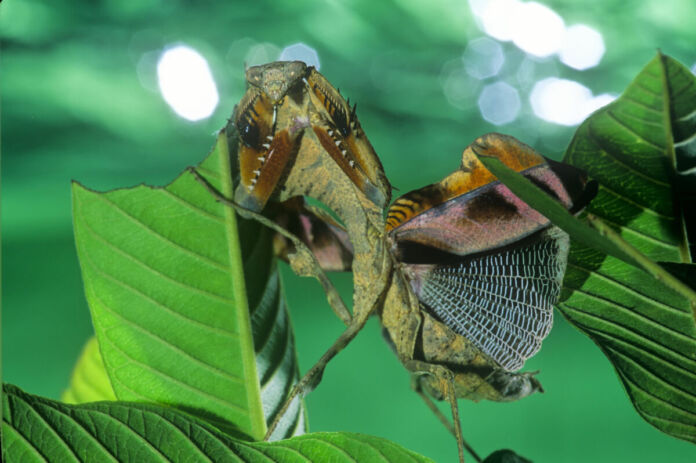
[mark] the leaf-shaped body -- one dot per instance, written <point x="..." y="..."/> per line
<point x="470" y="211"/>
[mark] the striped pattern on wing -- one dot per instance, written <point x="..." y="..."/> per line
<point x="501" y="302"/>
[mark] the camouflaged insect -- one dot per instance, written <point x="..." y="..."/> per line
<point x="462" y="273"/>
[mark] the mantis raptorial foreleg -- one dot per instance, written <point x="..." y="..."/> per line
<point x="302" y="261"/>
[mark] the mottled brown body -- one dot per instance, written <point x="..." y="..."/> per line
<point x="467" y="213"/>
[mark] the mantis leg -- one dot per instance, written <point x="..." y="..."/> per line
<point x="302" y="261"/>
<point x="312" y="378"/>
<point x="445" y="379"/>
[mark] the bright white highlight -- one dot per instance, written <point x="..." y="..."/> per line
<point x="483" y="58"/>
<point x="300" y="52"/>
<point x="565" y="102"/>
<point x="537" y="29"/>
<point x="583" y="47"/>
<point x="499" y="103"/>
<point x="497" y="17"/>
<point x="186" y="83"/>
<point x="533" y="27"/>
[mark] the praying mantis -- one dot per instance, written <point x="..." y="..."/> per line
<point x="462" y="273"/>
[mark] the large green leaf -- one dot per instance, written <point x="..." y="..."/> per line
<point x="647" y="331"/>
<point x="275" y="361"/>
<point x="164" y="277"/>
<point x="38" y="429"/>
<point x="644" y="327"/>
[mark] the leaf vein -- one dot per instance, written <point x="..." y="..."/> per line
<point x="634" y="203"/>
<point x="49" y="427"/>
<point x="688" y="116"/>
<point x="626" y="311"/>
<point x="147" y="228"/>
<point x="641" y="104"/>
<point x="144" y="265"/>
<point x="174" y="380"/>
<point x="666" y="384"/>
<point x="192" y="206"/>
<point x="642" y="349"/>
<point x="131" y="431"/>
<point x="629" y="129"/>
<point x="630" y="290"/>
<point x="146" y="332"/>
<point x="187" y="438"/>
<point x="157" y="303"/>
<point x="28" y="443"/>
<point x="278" y="445"/>
<point x="647" y="89"/>
<point x="384" y="458"/>
<point x="642" y="235"/>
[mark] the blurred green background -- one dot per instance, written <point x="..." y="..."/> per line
<point x="81" y="100"/>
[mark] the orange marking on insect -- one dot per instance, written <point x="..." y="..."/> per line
<point x="261" y="170"/>
<point x="472" y="174"/>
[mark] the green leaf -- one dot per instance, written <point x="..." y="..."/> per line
<point x="36" y="429"/>
<point x="89" y="381"/>
<point x="276" y="360"/>
<point x="164" y="276"/>
<point x="647" y="331"/>
<point x="628" y="147"/>
<point x="646" y="328"/>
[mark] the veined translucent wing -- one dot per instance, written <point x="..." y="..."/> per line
<point x="501" y="301"/>
<point x="481" y="260"/>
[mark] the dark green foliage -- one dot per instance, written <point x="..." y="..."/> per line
<point x="37" y="429"/>
<point x="645" y="326"/>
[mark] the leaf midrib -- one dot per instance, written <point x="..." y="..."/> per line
<point x="669" y="135"/>
<point x="257" y="420"/>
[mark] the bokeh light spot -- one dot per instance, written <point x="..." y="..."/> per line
<point x="458" y="86"/>
<point x="565" y="102"/>
<point x="537" y="29"/>
<point x="186" y="83"/>
<point x="300" y="52"/>
<point x="261" y="53"/>
<point x="483" y="58"/>
<point x="499" y="103"/>
<point x="497" y="16"/>
<point x="583" y="47"/>
<point x="533" y="27"/>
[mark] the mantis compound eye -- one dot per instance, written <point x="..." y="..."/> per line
<point x="482" y="261"/>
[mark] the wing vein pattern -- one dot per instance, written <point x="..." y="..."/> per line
<point x="502" y="302"/>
